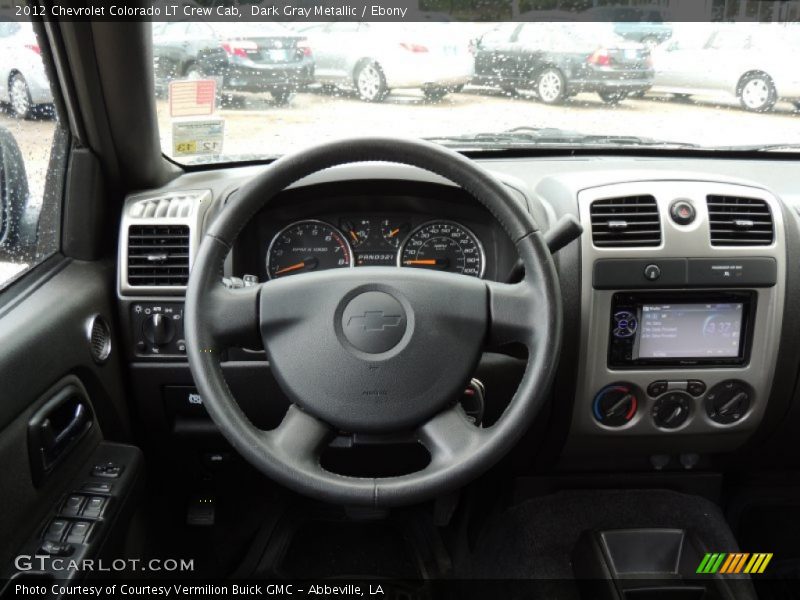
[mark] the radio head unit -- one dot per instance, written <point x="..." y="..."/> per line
<point x="681" y="329"/>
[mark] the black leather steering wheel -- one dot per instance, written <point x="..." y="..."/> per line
<point x="392" y="349"/>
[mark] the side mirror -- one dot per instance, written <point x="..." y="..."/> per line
<point x="17" y="233"/>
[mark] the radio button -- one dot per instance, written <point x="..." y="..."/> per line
<point x="625" y="324"/>
<point x="656" y="388"/>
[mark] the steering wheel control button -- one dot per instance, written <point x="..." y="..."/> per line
<point x="652" y="272"/>
<point x="374" y="322"/>
<point x="682" y="212"/>
<point x="672" y="410"/>
<point x="728" y="402"/>
<point x="657" y="388"/>
<point x="615" y="405"/>
<point x="625" y="324"/>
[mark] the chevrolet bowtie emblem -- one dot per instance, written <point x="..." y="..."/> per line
<point x="375" y="320"/>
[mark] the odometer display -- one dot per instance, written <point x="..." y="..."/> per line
<point x="307" y="246"/>
<point x="443" y="246"/>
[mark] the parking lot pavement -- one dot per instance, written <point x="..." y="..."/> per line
<point x="257" y="126"/>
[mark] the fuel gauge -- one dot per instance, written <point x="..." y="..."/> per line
<point x="393" y="232"/>
<point x="357" y="231"/>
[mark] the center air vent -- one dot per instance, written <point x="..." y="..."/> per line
<point x="736" y="221"/>
<point x="158" y="255"/>
<point x="625" y="222"/>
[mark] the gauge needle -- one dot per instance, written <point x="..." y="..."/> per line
<point x="353" y="235"/>
<point x="309" y="262"/>
<point x="394" y="232"/>
<point x="433" y="262"/>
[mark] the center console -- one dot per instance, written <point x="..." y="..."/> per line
<point x="682" y="298"/>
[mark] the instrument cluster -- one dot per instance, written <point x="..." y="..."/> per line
<point x="359" y="240"/>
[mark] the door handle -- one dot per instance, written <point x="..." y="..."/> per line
<point x="57" y="427"/>
<point x="51" y="441"/>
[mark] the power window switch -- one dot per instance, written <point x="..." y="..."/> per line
<point x="98" y="487"/>
<point x="56" y="549"/>
<point x="72" y="506"/>
<point x="94" y="507"/>
<point x="79" y="532"/>
<point x="55" y="531"/>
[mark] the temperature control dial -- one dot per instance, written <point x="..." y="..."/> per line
<point x="729" y="401"/>
<point x="671" y="410"/>
<point x="615" y="405"/>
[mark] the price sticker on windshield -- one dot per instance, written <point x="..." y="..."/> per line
<point x="197" y="137"/>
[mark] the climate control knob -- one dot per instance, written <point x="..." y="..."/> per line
<point x="158" y="329"/>
<point x="729" y="401"/>
<point x="615" y="405"/>
<point x="672" y="409"/>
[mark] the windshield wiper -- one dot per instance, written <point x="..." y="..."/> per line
<point x="525" y="137"/>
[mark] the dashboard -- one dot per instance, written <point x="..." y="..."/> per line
<point x="678" y="336"/>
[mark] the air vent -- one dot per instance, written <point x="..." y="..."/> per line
<point x="625" y="222"/>
<point x="99" y="339"/>
<point x="175" y="206"/>
<point x="736" y="221"/>
<point x="158" y="255"/>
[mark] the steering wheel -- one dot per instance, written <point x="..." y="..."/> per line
<point x="373" y="350"/>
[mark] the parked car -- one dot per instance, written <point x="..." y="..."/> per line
<point x="645" y="24"/>
<point x="23" y="83"/>
<point x="375" y="58"/>
<point x="242" y="57"/>
<point x="558" y="60"/>
<point x="752" y="63"/>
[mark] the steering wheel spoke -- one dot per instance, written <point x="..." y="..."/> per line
<point x="300" y="437"/>
<point x="233" y="316"/>
<point x="514" y="311"/>
<point x="449" y="436"/>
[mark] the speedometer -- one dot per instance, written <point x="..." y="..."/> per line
<point x="307" y="246"/>
<point x="443" y="246"/>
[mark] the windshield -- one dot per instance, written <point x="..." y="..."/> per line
<point x="257" y="90"/>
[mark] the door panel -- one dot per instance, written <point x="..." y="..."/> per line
<point x="46" y="344"/>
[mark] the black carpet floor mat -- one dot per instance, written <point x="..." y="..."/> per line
<point x="535" y="539"/>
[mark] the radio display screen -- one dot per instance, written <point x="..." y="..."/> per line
<point x="689" y="331"/>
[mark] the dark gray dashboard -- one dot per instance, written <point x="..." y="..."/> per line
<point x="551" y="187"/>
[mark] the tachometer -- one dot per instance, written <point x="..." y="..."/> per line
<point x="444" y="246"/>
<point x="307" y="246"/>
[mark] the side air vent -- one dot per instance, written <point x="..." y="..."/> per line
<point x="158" y="255"/>
<point x="625" y="222"/>
<point x="175" y="206"/>
<point x="736" y="221"/>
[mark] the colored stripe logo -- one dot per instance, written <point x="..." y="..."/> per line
<point x="735" y="562"/>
